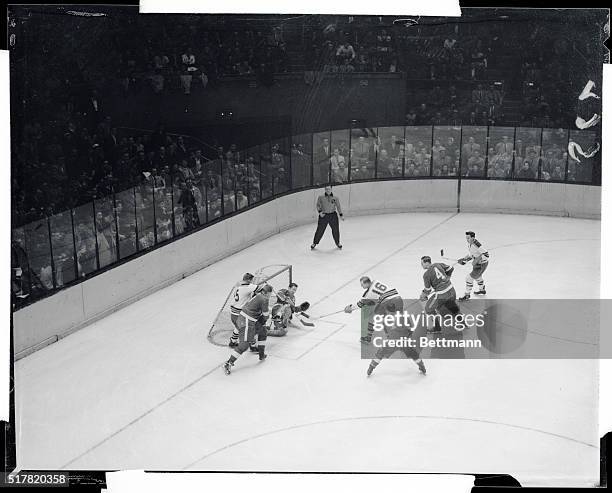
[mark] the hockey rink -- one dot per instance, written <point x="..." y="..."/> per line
<point x="144" y="389"/>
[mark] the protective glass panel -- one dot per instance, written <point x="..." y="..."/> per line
<point x="163" y="212"/>
<point x="63" y="248"/>
<point x="364" y="147"/>
<point x="418" y="142"/>
<point x="267" y="171"/>
<point x="473" y="151"/>
<point x="583" y="143"/>
<point x="20" y="274"/>
<point x="301" y="160"/>
<point x="253" y="170"/>
<point x="189" y="200"/>
<point x="106" y="233"/>
<point x="339" y="156"/>
<point x="144" y="217"/>
<point x="501" y="152"/>
<point x="198" y="168"/>
<point x="446" y="152"/>
<point x="241" y="181"/>
<point x="391" y="152"/>
<point x="228" y="184"/>
<point x="38" y="248"/>
<point x="280" y="162"/>
<point x="177" y="187"/>
<point x="527" y="147"/>
<point x="85" y="238"/>
<point x="553" y="153"/>
<point x="126" y="222"/>
<point x="321" y="154"/>
<point x="213" y="199"/>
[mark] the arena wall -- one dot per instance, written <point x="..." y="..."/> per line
<point x="70" y="309"/>
<point x="558" y="199"/>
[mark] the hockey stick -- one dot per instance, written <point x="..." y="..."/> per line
<point x="305" y="322"/>
<point x="328" y="314"/>
<point x="454" y="260"/>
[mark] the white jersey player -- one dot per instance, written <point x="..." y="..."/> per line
<point x="480" y="261"/>
<point x="383" y="297"/>
<point x="243" y="292"/>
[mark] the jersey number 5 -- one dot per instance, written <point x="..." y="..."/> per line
<point x="236" y="296"/>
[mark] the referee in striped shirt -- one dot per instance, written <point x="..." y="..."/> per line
<point x="329" y="209"/>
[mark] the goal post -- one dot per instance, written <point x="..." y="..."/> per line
<point x="278" y="276"/>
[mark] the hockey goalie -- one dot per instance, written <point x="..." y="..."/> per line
<point x="282" y="312"/>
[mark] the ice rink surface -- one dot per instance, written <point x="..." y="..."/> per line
<point x="143" y="388"/>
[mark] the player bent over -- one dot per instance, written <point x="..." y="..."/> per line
<point x="282" y="312"/>
<point x="396" y="332"/>
<point x="438" y="293"/>
<point x="243" y="292"/>
<point x="480" y="261"/>
<point x="251" y="322"/>
<point x="376" y="295"/>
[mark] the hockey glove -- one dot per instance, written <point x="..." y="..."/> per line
<point x="302" y="307"/>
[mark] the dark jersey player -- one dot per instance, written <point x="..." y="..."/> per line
<point x="438" y="293"/>
<point x="397" y="332"/>
<point x="251" y="323"/>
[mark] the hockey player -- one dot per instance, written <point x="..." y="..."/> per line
<point x="300" y="309"/>
<point x="480" y="261"/>
<point x="251" y="323"/>
<point x="291" y="290"/>
<point x="283" y="310"/>
<point x="438" y="293"/>
<point x="376" y="295"/>
<point x="397" y="332"/>
<point x="242" y="293"/>
<point x="280" y="314"/>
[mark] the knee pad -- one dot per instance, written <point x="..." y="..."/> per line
<point x="469" y="279"/>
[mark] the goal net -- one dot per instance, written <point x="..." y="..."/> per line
<point x="278" y="276"/>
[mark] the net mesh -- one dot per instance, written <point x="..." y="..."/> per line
<point x="277" y="276"/>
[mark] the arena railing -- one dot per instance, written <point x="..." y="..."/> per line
<point x="58" y="251"/>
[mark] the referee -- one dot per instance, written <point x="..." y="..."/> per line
<point x="327" y="205"/>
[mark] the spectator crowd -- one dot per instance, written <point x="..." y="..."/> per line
<point x="69" y="154"/>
